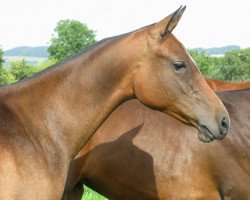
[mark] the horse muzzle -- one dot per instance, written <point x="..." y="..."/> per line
<point x="207" y="135"/>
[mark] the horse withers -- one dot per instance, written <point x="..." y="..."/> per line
<point x="47" y="119"/>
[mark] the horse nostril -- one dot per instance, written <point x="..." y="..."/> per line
<point x="225" y="125"/>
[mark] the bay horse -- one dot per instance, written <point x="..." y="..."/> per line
<point x="218" y="85"/>
<point x="139" y="153"/>
<point x="47" y="119"/>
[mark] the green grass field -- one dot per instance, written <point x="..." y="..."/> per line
<point x="91" y="195"/>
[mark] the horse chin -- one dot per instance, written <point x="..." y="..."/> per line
<point x="205" y="136"/>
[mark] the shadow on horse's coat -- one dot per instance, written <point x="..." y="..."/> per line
<point x="104" y="166"/>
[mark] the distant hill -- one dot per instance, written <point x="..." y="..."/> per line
<point x="40" y="51"/>
<point x="217" y="50"/>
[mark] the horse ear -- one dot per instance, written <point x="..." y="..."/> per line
<point x="161" y="29"/>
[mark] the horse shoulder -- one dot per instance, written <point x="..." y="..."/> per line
<point x="23" y="173"/>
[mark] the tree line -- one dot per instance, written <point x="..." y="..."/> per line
<point x="72" y="36"/>
<point x="233" y="66"/>
<point x="217" y="50"/>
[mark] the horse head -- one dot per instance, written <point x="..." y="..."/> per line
<point x="168" y="80"/>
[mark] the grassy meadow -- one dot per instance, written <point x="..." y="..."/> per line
<point x="91" y="195"/>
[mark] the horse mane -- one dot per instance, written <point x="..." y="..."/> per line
<point x="75" y="56"/>
<point x="99" y="43"/>
<point x="65" y="61"/>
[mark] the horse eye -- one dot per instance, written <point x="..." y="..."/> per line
<point x="179" y="65"/>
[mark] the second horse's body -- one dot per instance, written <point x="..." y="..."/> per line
<point x="142" y="154"/>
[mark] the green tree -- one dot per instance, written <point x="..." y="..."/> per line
<point x="205" y="62"/>
<point x="70" y="37"/>
<point x="234" y="66"/>
<point x="6" y="77"/>
<point x="21" y="69"/>
<point x="1" y="58"/>
<point x="45" y="64"/>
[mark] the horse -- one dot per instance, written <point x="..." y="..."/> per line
<point x="47" y="119"/>
<point x="218" y="85"/>
<point x="139" y="153"/>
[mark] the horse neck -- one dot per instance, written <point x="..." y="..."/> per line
<point x="237" y="144"/>
<point x="237" y="103"/>
<point x="62" y="108"/>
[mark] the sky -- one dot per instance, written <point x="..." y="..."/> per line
<point x="211" y="23"/>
